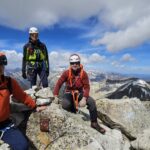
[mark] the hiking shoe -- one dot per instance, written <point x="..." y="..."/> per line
<point x="97" y="127"/>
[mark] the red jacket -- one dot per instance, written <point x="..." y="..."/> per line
<point x="18" y="93"/>
<point x="78" y="83"/>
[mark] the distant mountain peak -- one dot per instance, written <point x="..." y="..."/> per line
<point x="134" y="88"/>
<point x="141" y="83"/>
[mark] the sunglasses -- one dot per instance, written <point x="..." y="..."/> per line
<point x="72" y="63"/>
<point x="34" y="35"/>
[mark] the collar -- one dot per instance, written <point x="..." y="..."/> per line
<point x="34" y="43"/>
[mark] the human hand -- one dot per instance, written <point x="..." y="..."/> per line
<point x="40" y="108"/>
<point x="82" y="103"/>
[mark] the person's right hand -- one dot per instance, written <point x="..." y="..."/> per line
<point x="24" y="75"/>
<point x="56" y="100"/>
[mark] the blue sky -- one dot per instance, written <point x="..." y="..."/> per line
<point x="109" y="36"/>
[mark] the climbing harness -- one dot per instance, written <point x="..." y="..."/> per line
<point x="75" y="95"/>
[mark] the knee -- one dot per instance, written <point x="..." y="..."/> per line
<point x="91" y="103"/>
<point x="19" y="142"/>
<point x="66" y="104"/>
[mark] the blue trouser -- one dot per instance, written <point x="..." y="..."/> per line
<point x="15" y="139"/>
<point x="43" y="77"/>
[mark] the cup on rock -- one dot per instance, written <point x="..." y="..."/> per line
<point x="44" y="124"/>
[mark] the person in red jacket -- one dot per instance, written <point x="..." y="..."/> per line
<point x="77" y="91"/>
<point x="8" y="132"/>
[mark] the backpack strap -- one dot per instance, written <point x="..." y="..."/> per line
<point x="81" y="74"/>
<point x="70" y="74"/>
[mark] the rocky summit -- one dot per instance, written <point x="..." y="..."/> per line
<point x="126" y="122"/>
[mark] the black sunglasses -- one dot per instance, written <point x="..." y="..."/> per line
<point x="72" y="63"/>
<point x="34" y="34"/>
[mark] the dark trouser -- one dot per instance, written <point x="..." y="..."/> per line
<point x="15" y="139"/>
<point x="68" y="104"/>
<point x="43" y="77"/>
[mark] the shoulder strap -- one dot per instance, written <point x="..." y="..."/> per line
<point x="9" y="85"/>
<point x="81" y="74"/>
<point x="70" y="75"/>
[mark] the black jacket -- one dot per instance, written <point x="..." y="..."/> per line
<point x="29" y="48"/>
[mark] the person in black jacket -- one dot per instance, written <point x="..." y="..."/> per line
<point x="35" y="59"/>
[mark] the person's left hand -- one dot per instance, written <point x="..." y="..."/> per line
<point x="40" y="108"/>
<point x="82" y="103"/>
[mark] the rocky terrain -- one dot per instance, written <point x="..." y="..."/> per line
<point x="126" y="120"/>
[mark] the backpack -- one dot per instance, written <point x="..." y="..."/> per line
<point x="9" y="85"/>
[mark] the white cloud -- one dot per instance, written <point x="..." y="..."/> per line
<point x="117" y="64"/>
<point x="58" y="58"/>
<point x="130" y="37"/>
<point x="22" y="14"/>
<point x="127" y="57"/>
<point x="120" y="24"/>
<point x="14" y="59"/>
<point x="130" y="21"/>
<point x="122" y="14"/>
<point x="61" y="58"/>
<point x="5" y="44"/>
<point x="96" y="58"/>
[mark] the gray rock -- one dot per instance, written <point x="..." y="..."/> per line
<point x="43" y="101"/>
<point x="30" y="91"/>
<point x="130" y="113"/>
<point x="4" y="146"/>
<point x="71" y="131"/>
<point x="44" y="93"/>
<point x="142" y="141"/>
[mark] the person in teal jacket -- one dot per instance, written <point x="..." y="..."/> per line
<point x="35" y="59"/>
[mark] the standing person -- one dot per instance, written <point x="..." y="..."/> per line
<point x="8" y="132"/>
<point x="77" y="91"/>
<point x="35" y="59"/>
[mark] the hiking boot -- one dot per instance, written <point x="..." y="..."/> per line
<point x="97" y="127"/>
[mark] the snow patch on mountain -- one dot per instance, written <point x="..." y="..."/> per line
<point x="134" y="88"/>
